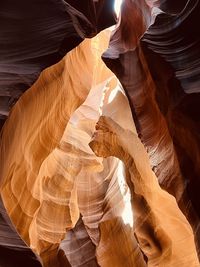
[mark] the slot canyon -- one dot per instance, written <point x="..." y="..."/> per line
<point x="100" y="133"/>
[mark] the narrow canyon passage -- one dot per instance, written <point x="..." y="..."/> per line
<point x="99" y="143"/>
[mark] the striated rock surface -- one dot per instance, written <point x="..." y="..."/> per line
<point x="156" y="98"/>
<point x="13" y="251"/>
<point x="99" y="165"/>
<point x="61" y="176"/>
<point x="161" y="230"/>
<point x="36" y="34"/>
<point x="176" y="52"/>
<point x="28" y="187"/>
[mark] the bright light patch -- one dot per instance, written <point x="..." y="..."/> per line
<point x="117" y="6"/>
<point x="127" y="214"/>
<point x="112" y="95"/>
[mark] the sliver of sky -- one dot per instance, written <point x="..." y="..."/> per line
<point x="117" y="6"/>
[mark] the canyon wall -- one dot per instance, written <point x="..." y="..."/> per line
<point x="99" y="149"/>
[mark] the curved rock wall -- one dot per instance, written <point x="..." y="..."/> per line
<point x="99" y="164"/>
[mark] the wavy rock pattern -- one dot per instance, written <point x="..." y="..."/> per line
<point x="35" y="154"/>
<point x="35" y="35"/>
<point x="162" y="231"/>
<point x="97" y="172"/>
<point x="157" y="102"/>
<point x="78" y="239"/>
<point x="177" y="92"/>
<point x="13" y="251"/>
<point x="55" y="181"/>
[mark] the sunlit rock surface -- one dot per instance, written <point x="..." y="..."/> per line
<point x="36" y="34"/>
<point x="162" y="108"/>
<point x="99" y="157"/>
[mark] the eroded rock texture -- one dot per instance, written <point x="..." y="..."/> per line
<point x="36" y="34"/>
<point x="161" y="230"/>
<point x="161" y="107"/>
<point x="99" y="164"/>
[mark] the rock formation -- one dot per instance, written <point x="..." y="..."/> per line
<point x="35" y="35"/>
<point x="99" y="155"/>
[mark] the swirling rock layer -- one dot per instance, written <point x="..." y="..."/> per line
<point x="98" y="169"/>
<point x="35" y="35"/>
<point x="160" y="106"/>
